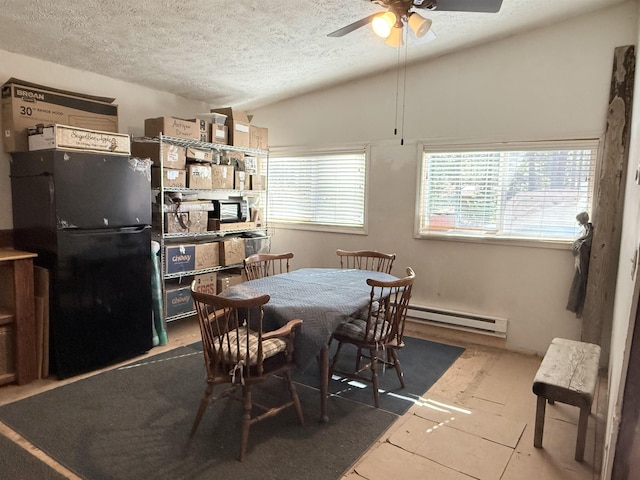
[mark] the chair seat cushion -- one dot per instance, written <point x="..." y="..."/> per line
<point x="356" y="328"/>
<point x="231" y="354"/>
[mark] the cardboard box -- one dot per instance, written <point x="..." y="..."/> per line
<point x="228" y="279"/>
<point x="241" y="181"/>
<point x="64" y="137"/>
<point x="219" y="134"/>
<point x="226" y="227"/>
<point x="251" y="164"/>
<point x="204" y="127"/>
<point x="178" y="300"/>
<point x="26" y="104"/>
<point x="172" y="222"/>
<point x="180" y="258"/>
<point x="198" y="222"/>
<point x="258" y="182"/>
<point x="172" y="127"/>
<point x="169" y="156"/>
<point x="222" y="177"/>
<point x="207" y="255"/>
<point x="231" y="157"/>
<point x="232" y="251"/>
<point x="258" y="137"/>
<point x="199" y="155"/>
<point x="199" y="176"/>
<point x="237" y="124"/>
<point x="207" y="283"/>
<point x="171" y="178"/>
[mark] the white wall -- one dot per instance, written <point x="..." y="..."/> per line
<point x="548" y="83"/>
<point x="135" y="103"/>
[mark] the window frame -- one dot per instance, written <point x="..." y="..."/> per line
<point x="425" y="147"/>
<point x="279" y="152"/>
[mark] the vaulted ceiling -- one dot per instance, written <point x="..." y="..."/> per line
<point x="244" y="53"/>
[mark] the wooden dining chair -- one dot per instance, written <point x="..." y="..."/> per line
<point x="262" y="265"/>
<point x="366" y="260"/>
<point x="377" y="328"/>
<point x="239" y="354"/>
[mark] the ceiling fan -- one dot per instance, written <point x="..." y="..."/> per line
<point x="390" y="24"/>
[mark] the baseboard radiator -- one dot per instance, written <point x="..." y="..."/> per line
<point x="468" y="322"/>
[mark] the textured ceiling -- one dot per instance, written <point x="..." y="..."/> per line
<point x="242" y="53"/>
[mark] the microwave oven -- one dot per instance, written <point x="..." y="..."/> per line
<point x="230" y="210"/>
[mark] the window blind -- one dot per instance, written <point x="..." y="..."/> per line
<point x="318" y="189"/>
<point x="530" y="191"/>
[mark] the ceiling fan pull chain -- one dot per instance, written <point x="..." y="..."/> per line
<point x="404" y="88"/>
<point x="395" y="122"/>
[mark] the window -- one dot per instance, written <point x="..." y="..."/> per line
<point x="326" y="188"/>
<point x="526" y="191"/>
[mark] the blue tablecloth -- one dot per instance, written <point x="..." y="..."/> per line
<point x="321" y="297"/>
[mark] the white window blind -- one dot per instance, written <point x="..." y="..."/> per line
<point x="526" y="191"/>
<point x="317" y="189"/>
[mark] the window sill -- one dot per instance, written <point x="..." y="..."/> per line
<point x="310" y="227"/>
<point x="493" y="240"/>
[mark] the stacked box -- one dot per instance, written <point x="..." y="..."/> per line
<point x="180" y="258"/>
<point x="205" y="129"/>
<point x="228" y="279"/>
<point x="222" y="177"/>
<point x="178" y="300"/>
<point x="232" y="251"/>
<point x="170" y="177"/>
<point x="199" y="176"/>
<point x="258" y="182"/>
<point x="26" y="104"/>
<point x="207" y="255"/>
<point x="172" y="127"/>
<point x="65" y="137"/>
<point x="199" y="155"/>
<point x="241" y="181"/>
<point x="219" y="134"/>
<point x="198" y="221"/>
<point x="258" y="137"/>
<point x="174" y="222"/>
<point x="173" y="156"/>
<point x="206" y="283"/>
<point x="237" y="123"/>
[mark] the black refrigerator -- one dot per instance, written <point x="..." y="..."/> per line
<point x="88" y="217"/>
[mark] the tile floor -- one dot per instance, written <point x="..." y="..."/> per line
<point x="476" y="422"/>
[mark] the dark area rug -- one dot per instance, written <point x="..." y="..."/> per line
<point x="134" y="422"/>
<point x="17" y="463"/>
<point x="423" y="363"/>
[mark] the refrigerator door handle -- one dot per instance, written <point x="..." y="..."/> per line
<point x="138" y="229"/>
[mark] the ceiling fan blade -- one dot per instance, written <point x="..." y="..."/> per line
<point x="354" y="26"/>
<point x="483" y="6"/>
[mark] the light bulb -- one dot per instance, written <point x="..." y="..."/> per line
<point x="383" y="23"/>
<point x="419" y="24"/>
<point x="395" y="37"/>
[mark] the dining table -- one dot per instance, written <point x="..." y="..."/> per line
<point x="323" y="298"/>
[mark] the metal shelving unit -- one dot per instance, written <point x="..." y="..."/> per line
<point x="257" y="197"/>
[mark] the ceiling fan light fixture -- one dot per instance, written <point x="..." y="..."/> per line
<point x="383" y="24"/>
<point x="395" y="37"/>
<point x="419" y="24"/>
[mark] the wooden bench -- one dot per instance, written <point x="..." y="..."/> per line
<point x="568" y="374"/>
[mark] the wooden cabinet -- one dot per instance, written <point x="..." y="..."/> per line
<point x="18" y="348"/>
